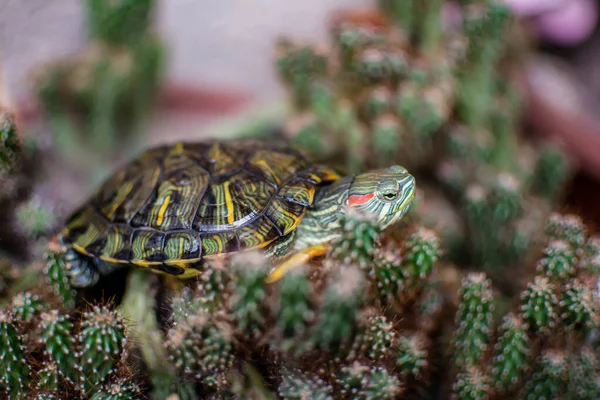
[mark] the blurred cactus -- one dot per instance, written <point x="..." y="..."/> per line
<point x="438" y="99"/>
<point x="100" y="96"/>
<point x="473" y="320"/>
<point x="10" y="144"/>
<point x="471" y="385"/>
<point x="58" y="280"/>
<point x="511" y="353"/>
<point x="297" y="385"/>
<point x="362" y="382"/>
<point x="201" y="347"/>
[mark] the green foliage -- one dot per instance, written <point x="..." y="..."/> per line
<point x="584" y="379"/>
<point x="387" y="275"/>
<point x="473" y="320"/>
<point x="14" y="371"/>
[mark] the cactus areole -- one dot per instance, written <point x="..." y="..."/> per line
<point x="177" y="205"/>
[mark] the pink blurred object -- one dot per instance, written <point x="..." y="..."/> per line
<point x="570" y="24"/>
<point x="563" y="22"/>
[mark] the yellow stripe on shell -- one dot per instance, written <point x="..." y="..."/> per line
<point x="163" y="208"/>
<point x="228" y="204"/>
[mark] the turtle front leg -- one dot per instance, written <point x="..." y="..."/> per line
<point x="283" y="250"/>
<point x="82" y="271"/>
<point x="296" y="260"/>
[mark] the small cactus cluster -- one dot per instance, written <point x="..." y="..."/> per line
<point x="489" y="306"/>
<point x="328" y="330"/>
<point x="47" y="351"/>
<point x="534" y="342"/>
<point x="437" y="98"/>
<point x="10" y="144"/>
<point x="100" y="96"/>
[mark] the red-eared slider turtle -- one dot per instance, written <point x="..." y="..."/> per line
<point x="177" y="205"/>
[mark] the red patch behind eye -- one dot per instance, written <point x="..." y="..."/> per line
<point x="359" y="199"/>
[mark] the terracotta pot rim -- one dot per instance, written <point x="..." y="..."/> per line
<point x="178" y="97"/>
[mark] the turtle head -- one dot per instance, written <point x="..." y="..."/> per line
<point x="386" y="193"/>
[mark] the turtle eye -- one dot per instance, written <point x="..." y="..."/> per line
<point x="390" y="195"/>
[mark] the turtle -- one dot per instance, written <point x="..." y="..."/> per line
<point x="178" y="205"/>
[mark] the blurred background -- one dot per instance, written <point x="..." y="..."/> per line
<point x="199" y="62"/>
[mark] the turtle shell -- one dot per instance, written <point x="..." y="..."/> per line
<point x="175" y="205"/>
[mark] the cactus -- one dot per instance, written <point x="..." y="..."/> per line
<point x="26" y="306"/>
<point x="380" y="337"/>
<point x="14" y="370"/>
<point x="358" y="242"/>
<point x="411" y="355"/>
<point x="549" y="379"/>
<point x="579" y="305"/>
<point x="298" y="385"/>
<point x="294" y="310"/>
<point x="58" y="279"/>
<point x="247" y="303"/>
<point x="10" y="144"/>
<point x="471" y="385"/>
<point x="101" y="341"/>
<point x="337" y="314"/>
<point x="35" y="218"/>
<point x="49" y="377"/>
<point x="540" y="305"/>
<point x="119" y="390"/>
<point x="421" y="251"/>
<point x="201" y="347"/>
<point x="559" y="260"/>
<point x="59" y="344"/>
<point x="473" y="320"/>
<point x="362" y="382"/>
<point x="511" y="354"/>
